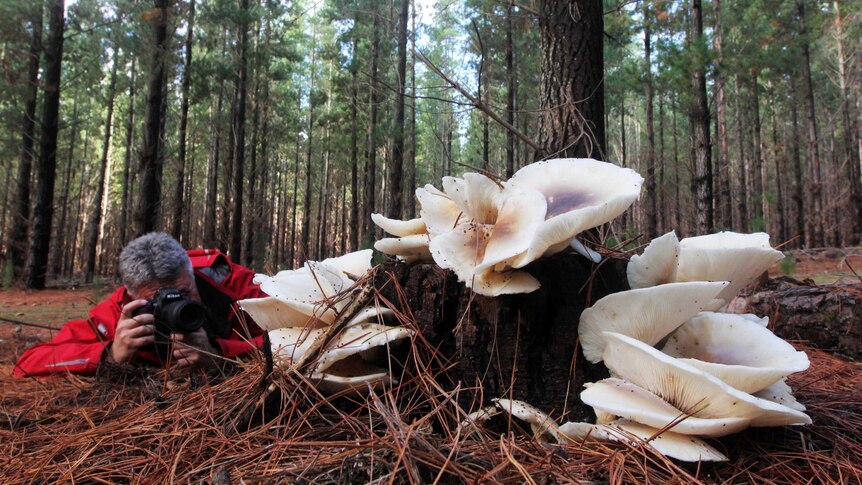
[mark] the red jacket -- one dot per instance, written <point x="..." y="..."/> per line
<point x="78" y="346"/>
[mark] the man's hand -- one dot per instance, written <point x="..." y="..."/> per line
<point x="132" y="334"/>
<point x="193" y="350"/>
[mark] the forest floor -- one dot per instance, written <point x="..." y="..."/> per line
<point x="82" y="429"/>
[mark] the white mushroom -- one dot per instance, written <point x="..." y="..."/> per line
<point x="439" y="213"/>
<point x="647" y="314"/>
<point x="668" y="443"/>
<point x="407" y="248"/>
<point x="621" y="398"/>
<point x="543" y="427"/>
<point x="726" y="256"/>
<point x="658" y="263"/>
<point x="733" y="348"/>
<point x="781" y="393"/>
<point x="689" y="389"/>
<point x="462" y="248"/>
<point x="270" y="313"/>
<point x="477" y="197"/>
<point x="580" y="193"/>
<point x="521" y="212"/>
<point x="354" y="264"/>
<point x="398" y="227"/>
<point x="353" y="359"/>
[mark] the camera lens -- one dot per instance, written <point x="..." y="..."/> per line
<point x="184" y="316"/>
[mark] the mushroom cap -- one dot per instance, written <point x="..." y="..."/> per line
<point x="398" y="227"/>
<point x="580" y="193"/>
<point x="675" y="445"/>
<point x="475" y="194"/>
<point x="353" y="264"/>
<point x="521" y="212"/>
<point x="690" y="389"/>
<point x="462" y="248"/>
<point x="413" y="247"/>
<point x="657" y="264"/>
<point x="726" y="256"/>
<point x="781" y="393"/>
<point x="621" y="398"/>
<point x="647" y="314"/>
<point x="271" y="313"/>
<point x="540" y="423"/>
<point x="350" y="362"/>
<point x="438" y="211"/>
<point x="739" y="351"/>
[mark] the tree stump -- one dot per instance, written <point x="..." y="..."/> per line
<point x="514" y="346"/>
<point x="829" y="317"/>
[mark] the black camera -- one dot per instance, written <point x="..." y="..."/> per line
<point x="173" y="312"/>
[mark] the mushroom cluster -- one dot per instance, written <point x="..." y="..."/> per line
<point x="679" y="371"/>
<point x="301" y="310"/>
<point x="486" y="231"/>
<point x="678" y="368"/>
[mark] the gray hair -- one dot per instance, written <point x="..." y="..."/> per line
<point x="151" y="259"/>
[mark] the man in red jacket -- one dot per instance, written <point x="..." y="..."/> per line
<point x="114" y="333"/>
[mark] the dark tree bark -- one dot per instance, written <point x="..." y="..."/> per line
<point x="95" y="219"/>
<point x="514" y="346"/>
<point x="37" y="259"/>
<point x="410" y="207"/>
<point x="127" y="160"/>
<point x="510" y="92"/>
<point x="179" y="202"/>
<point x="294" y="207"/>
<point x="827" y="316"/>
<point x="701" y="183"/>
<point x="742" y="218"/>
<point x="798" y="189"/>
<point x="150" y="192"/>
<point x="651" y="195"/>
<point x="779" y="171"/>
<point x="239" y="128"/>
<point x="572" y="105"/>
<point x="354" y="158"/>
<point x="211" y="205"/>
<point x="722" y="169"/>
<point x="59" y="247"/>
<point x="306" y="204"/>
<point x="17" y="242"/>
<point x="814" y="232"/>
<point x="396" y="165"/>
<point x="371" y="153"/>
<point x="756" y="175"/>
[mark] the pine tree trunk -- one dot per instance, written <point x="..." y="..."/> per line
<point x="572" y="122"/>
<point x="510" y="93"/>
<point x="179" y="202"/>
<point x="99" y="204"/>
<point x="651" y="195"/>
<point x="699" y="122"/>
<point x="756" y="175"/>
<point x="396" y="165"/>
<point x="37" y="259"/>
<point x="814" y="232"/>
<point x="59" y="247"/>
<point x="306" y="205"/>
<point x="354" y="159"/>
<point x="150" y="192"/>
<point x="127" y="160"/>
<point x="798" y="189"/>
<point x="211" y="207"/>
<point x="371" y="155"/>
<point x="722" y="172"/>
<point x="17" y="242"/>
<point x="515" y="346"/>
<point x="410" y="208"/>
<point x="239" y="127"/>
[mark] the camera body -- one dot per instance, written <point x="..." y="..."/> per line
<point x="172" y="312"/>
